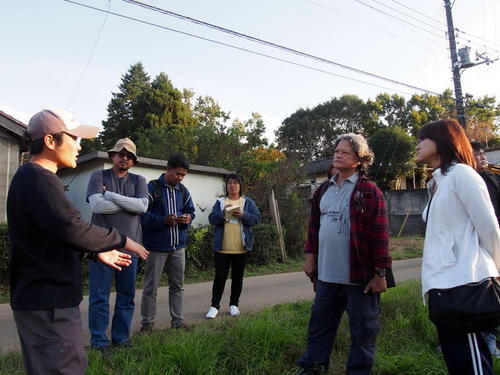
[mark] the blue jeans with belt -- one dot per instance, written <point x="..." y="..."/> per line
<point x="100" y="279"/>
<point x="329" y="305"/>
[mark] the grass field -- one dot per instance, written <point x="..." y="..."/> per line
<point x="269" y="342"/>
<point x="401" y="248"/>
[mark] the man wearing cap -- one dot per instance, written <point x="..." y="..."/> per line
<point x="46" y="234"/>
<point x="117" y="198"/>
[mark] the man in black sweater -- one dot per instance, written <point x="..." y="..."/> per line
<point x="46" y="235"/>
<point x="493" y="184"/>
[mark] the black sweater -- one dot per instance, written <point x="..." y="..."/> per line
<point x="46" y="234"/>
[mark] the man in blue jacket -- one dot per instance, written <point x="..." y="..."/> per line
<point x="164" y="225"/>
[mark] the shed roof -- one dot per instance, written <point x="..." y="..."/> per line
<point x="155" y="163"/>
<point x="318" y="166"/>
<point x="12" y="125"/>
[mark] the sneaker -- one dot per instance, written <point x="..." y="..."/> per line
<point x="146" y="328"/>
<point x="212" y="313"/>
<point x="234" y="311"/>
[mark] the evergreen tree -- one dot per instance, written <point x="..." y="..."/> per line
<point x="122" y="121"/>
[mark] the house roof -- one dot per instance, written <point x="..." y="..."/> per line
<point x="318" y="166"/>
<point x="12" y="125"/>
<point x="155" y="163"/>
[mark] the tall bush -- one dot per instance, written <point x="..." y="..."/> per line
<point x="294" y="218"/>
<point x="199" y="253"/>
<point x="266" y="247"/>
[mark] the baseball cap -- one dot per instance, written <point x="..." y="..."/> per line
<point x="52" y="121"/>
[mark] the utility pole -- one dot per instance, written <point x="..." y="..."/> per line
<point x="459" y="99"/>
<point x="464" y="63"/>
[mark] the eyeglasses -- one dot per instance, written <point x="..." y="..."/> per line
<point x="127" y="155"/>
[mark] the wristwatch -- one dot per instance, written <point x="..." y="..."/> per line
<point x="381" y="272"/>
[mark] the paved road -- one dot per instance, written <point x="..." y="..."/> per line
<point x="258" y="293"/>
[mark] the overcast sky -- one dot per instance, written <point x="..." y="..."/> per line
<point x="46" y="46"/>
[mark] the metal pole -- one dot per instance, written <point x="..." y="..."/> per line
<point x="459" y="99"/>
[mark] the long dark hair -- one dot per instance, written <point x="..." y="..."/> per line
<point x="452" y="143"/>
<point x="234" y="176"/>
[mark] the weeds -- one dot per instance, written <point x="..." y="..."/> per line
<point x="271" y="341"/>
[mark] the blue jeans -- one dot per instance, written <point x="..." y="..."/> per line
<point x="329" y="305"/>
<point x="100" y="279"/>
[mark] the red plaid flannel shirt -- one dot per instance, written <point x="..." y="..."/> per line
<point x="369" y="238"/>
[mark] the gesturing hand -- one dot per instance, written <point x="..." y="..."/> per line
<point x="137" y="248"/>
<point x="115" y="259"/>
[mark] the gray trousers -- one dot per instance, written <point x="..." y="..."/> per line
<point x="175" y="264"/>
<point x="51" y="341"/>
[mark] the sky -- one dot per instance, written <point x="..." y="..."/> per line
<point x="57" y="54"/>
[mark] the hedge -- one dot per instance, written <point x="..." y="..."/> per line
<point x="199" y="253"/>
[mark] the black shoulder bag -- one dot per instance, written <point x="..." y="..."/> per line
<point x="472" y="307"/>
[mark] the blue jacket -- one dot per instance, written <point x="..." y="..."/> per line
<point x="156" y="235"/>
<point x="251" y="217"/>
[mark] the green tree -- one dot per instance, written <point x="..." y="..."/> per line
<point x="164" y="120"/>
<point x="310" y="133"/>
<point x="422" y="109"/>
<point x="390" y="110"/>
<point x="122" y="120"/>
<point x="394" y="156"/>
<point x="91" y="145"/>
<point x="482" y="119"/>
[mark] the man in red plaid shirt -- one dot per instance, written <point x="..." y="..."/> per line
<point x="347" y="253"/>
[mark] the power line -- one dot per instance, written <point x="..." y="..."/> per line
<point x="418" y="12"/>
<point x="409" y="16"/>
<point x="89" y="59"/>
<point x="399" y="19"/>
<point x="372" y="26"/>
<point x="482" y="44"/>
<point x="444" y="24"/>
<point x="245" y="49"/>
<point x="482" y="40"/>
<point x="273" y="45"/>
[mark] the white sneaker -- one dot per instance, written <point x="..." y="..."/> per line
<point x="212" y="313"/>
<point x="233" y="310"/>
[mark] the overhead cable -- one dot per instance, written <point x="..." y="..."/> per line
<point x="89" y="59"/>
<point x="479" y="44"/>
<point x="247" y="50"/>
<point x="421" y="13"/>
<point x="274" y="45"/>
<point x="399" y="19"/>
<point x="410" y="16"/>
<point x="375" y="27"/>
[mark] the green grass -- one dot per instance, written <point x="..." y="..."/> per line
<point x="406" y="247"/>
<point x="401" y="248"/>
<point x="270" y="342"/>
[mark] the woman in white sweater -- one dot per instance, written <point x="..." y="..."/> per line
<point x="462" y="240"/>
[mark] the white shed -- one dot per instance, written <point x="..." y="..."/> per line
<point x="204" y="183"/>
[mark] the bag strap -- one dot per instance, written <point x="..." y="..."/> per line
<point x="106" y="177"/>
<point x="157" y="192"/>
<point x="428" y="209"/>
